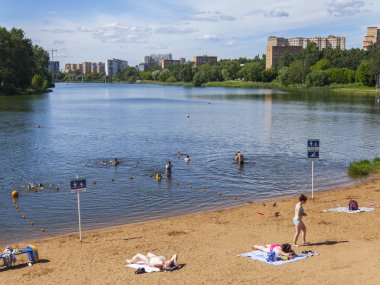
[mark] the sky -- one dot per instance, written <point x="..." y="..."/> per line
<point x="125" y="29"/>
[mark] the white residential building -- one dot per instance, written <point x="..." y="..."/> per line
<point x="115" y="65"/>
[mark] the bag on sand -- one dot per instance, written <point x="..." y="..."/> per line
<point x="353" y="205"/>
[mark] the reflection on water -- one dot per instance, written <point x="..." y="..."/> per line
<point x="145" y="126"/>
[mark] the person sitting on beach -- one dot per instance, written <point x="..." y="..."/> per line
<point x="297" y="220"/>
<point x="281" y="249"/>
<point x="168" y="166"/>
<point x="115" y="162"/>
<point x="153" y="260"/>
<point x="187" y="158"/>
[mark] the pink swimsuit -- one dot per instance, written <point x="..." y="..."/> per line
<point x="273" y="246"/>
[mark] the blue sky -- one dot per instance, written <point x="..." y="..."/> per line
<point x="99" y="30"/>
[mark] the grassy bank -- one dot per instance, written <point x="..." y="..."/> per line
<point x="364" y="167"/>
<point x="354" y="89"/>
<point x="244" y="84"/>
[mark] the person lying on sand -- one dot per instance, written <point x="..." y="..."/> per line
<point x="282" y="249"/>
<point x="155" y="261"/>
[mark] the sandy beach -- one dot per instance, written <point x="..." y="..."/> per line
<point x="208" y="245"/>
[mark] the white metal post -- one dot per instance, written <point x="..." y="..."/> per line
<point x="312" y="180"/>
<point x="80" y="221"/>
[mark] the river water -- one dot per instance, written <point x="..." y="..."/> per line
<point x="144" y="126"/>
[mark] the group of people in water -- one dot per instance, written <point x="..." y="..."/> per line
<point x="283" y="250"/>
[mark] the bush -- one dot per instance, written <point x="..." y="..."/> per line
<point x="364" y="167"/>
<point x="317" y="78"/>
<point x="9" y="89"/>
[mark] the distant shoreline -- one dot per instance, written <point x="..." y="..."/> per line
<point x="356" y="90"/>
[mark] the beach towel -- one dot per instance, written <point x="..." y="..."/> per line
<point x="149" y="269"/>
<point x="262" y="256"/>
<point x="346" y="210"/>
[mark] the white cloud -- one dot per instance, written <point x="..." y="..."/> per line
<point x="116" y="32"/>
<point x="342" y="8"/>
<point x="209" y="37"/>
<point x="210" y="16"/>
<point x="175" y="30"/>
<point x="277" y="13"/>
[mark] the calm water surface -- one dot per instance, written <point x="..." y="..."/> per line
<point x="144" y="126"/>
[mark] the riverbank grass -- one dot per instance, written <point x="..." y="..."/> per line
<point x="364" y="167"/>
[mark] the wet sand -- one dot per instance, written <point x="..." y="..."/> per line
<point x="208" y="245"/>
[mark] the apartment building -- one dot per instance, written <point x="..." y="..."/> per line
<point x="115" y="65"/>
<point x="278" y="46"/>
<point x="372" y="37"/>
<point x="53" y="67"/>
<point x="203" y="59"/>
<point x="85" y="67"/>
<point x="165" y="63"/>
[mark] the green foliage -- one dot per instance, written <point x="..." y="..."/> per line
<point x="252" y="71"/>
<point x="317" y="78"/>
<point x="297" y="72"/>
<point x="364" y="74"/>
<point x="39" y="83"/>
<point x="20" y="61"/>
<point x="268" y="75"/>
<point x="341" y="75"/>
<point x="322" y="64"/>
<point x="283" y="76"/>
<point x="364" y="167"/>
<point x="164" y="75"/>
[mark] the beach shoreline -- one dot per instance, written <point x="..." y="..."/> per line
<point x="208" y="244"/>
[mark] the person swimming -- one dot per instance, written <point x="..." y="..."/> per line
<point x="187" y="158"/>
<point x="115" y="162"/>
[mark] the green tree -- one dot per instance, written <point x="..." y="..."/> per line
<point x="298" y="71"/>
<point x="251" y="71"/>
<point x="317" y="78"/>
<point x="364" y="74"/>
<point x="322" y="64"/>
<point x="269" y="75"/>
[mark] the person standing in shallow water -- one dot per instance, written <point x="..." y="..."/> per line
<point x="168" y="167"/>
<point x="297" y="220"/>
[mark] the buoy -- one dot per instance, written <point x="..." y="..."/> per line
<point x="14" y="194"/>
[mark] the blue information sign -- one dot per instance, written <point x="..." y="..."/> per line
<point x="78" y="184"/>
<point x="312" y="143"/>
<point x="313" y="154"/>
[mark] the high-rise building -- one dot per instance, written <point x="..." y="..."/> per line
<point x="165" y="63"/>
<point x="274" y="54"/>
<point x="115" y="65"/>
<point x="372" y="37"/>
<point x="86" y="67"/>
<point x="199" y="60"/>
<point x="278" y="46"/>
<point x="53" y="67"/>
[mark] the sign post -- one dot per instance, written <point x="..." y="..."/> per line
<point x="78" y="185"/>
<point x="313" y="155"/>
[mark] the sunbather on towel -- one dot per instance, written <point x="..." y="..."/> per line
<point x="155" y="261"/>
<point x="283" y="249"/>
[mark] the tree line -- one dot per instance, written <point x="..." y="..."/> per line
<point x="310" y="67"/>
<point x="23" y="66"/>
